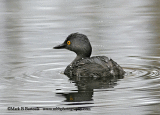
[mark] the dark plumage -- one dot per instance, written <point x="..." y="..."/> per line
<point x="84" y="65"/>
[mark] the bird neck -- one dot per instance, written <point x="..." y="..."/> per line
<point x="79" y="57"/>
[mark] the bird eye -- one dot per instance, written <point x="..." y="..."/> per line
<point x="68" y="42"/>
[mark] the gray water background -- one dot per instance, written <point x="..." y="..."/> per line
<point x="31" y="72"/>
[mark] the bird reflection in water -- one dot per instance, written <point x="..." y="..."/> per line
<point x="86" y="86"/>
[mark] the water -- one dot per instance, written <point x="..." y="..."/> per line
<point x="32" y="72"/>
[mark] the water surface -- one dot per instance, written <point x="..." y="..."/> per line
<point x="32" y="72"/>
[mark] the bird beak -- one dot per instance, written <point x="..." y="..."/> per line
<point x="61" y="46"/>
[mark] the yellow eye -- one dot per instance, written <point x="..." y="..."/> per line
<point x="68" y="42"/>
